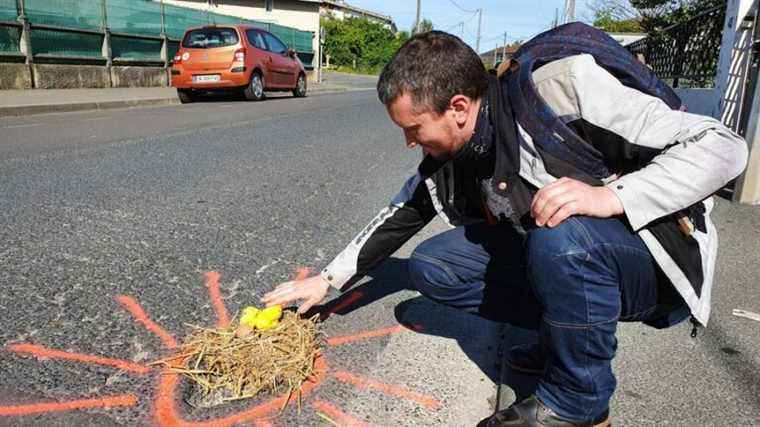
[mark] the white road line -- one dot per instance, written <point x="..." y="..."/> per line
<point x="23" y="126"/>
<point x="96" y="118"/>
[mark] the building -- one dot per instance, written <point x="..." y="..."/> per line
<point x="341" y="10"/>
<point x="492" y="57"/>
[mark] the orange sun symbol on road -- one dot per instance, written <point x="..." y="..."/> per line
<point x="165" y="408"/>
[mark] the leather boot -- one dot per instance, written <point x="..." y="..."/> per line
<point x="531" y="412"/>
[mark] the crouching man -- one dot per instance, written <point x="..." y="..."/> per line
<point x="576" y="202"/>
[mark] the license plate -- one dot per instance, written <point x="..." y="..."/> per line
<point x="213" y="78"/>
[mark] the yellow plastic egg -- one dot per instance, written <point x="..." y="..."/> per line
<point x="263" y="324"/>
<point x="249" y="316"/>
<point x="273" y="313"/>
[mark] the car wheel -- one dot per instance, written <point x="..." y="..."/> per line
<point x="300" y="90"/>
<point x="255" y="89"/>
<point x="185" y="96"/>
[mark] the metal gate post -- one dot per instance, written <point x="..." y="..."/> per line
<point x="26" y="40"/>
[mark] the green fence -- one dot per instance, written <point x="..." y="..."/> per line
<point x="8" y="10"/>
<point x="80" y="14"/>
<point x="10" y="39"/>
<point x="76" y="28"/>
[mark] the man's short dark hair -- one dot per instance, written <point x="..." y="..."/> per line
<point x="432" y="67"/>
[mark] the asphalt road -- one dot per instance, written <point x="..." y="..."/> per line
<point x="103" y="212"/>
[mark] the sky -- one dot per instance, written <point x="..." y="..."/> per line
<point x="521" y="19"/>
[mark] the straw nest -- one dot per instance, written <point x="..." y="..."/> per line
<point x="234" y="363"/>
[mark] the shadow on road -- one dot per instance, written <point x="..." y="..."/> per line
<point x="388" y="278"/>
<point x="481" y="340"/>
<point x="210" y="98"/>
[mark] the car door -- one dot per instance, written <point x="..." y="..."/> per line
<point x="262" y="55"/>
<point x="281" y="64"/>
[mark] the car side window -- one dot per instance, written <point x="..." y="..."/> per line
<point x="255" y="38"/>
<point x="275" y="45"/>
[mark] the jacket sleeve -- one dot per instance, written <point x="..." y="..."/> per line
<point x="407" y="214"/>
<point x="700" y="154"/>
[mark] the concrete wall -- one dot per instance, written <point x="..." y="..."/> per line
<point x="64" y="76"/>
<point x="131" y="76"/>
<point x="58" y="76"/>
<point x="15" y="76"/>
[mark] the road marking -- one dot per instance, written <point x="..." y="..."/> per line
<point x="139" y="314"/>
<point x="92" y="119"/>
<point x="347" y="302"/>
<point x="23" y="126"/>
<point x="37" y="408"/>
<point x="212" y="283"/>
<point x="357" y="381"/>
<point x="42" y="353"/>
<point x="165" y="409"/>
<point x="341" y="417"/>
<point x="336" y="341"/>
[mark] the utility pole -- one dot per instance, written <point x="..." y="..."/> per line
<point x="556" y="17"/>
<point x="461" y="30"/>
<point x="480" y="23"/>
<point x="496" y="49"/>
<point x="504" y="48"/>
<point x="417" y="20"/>
<point x="569" y="11"/>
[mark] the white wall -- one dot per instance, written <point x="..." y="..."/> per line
<point x="700" y="101"/>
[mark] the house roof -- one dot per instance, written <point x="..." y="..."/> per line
<point x="356" y="9"/>
<point x="489" y="54"/>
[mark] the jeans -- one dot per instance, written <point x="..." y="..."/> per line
<point x="572" y="283"/>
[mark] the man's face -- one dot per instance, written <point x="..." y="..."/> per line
<point x="439" y="135"/>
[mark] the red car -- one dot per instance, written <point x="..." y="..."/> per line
<point x="235" y="57"/>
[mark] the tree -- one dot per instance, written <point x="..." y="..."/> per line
<point x="650" y="15"/>
<point x="606" y="21"/>
<point x="360" y="44"/>
<point x="425" y="26"/>
<point x="664" y="13"/>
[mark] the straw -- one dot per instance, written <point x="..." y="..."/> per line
<point x="228" y="366"/>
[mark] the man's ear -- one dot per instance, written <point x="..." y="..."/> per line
<point x="460" y="106"/>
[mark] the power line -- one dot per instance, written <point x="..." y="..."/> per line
<point x="471" y="16"/>
<point x="451" y="27"/>
<point x="461" y="8"/>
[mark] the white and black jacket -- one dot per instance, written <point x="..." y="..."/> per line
<point x="692" y="157"/>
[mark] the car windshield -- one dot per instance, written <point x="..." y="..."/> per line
<point x="205" y="38"/>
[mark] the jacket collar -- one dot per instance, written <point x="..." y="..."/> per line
<point x="507" y="162"/>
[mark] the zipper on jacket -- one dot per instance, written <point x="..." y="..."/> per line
<point x="694" y="326"/>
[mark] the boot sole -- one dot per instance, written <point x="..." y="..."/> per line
<point x="605" y="423"/>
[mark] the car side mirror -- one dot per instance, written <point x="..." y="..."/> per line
<point x="291" y="53"/>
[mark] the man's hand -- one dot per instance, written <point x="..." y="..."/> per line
<point x="566" y="197"/>
<point x="311" y="291"/>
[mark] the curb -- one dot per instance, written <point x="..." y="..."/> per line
<point x="28" y="110"/>
<point x="24" y="110"/>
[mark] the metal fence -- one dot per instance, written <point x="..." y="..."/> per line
<point x="685" y="55"/>
<point x="114" y="31"/>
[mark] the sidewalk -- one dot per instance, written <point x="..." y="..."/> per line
<point x="42" y="101"/>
